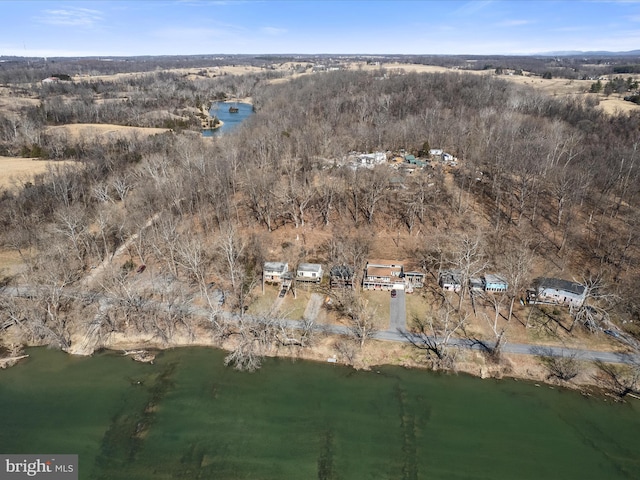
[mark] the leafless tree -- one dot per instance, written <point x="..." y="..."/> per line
<point x="622" y="380"/>
<point x="357" y="315"/>
<point x="253" y="339"/>
<point x="517" y="270"/>
<point x="593" y="314"/>
<point x="432" y="334"/>
<point x="493" y="346"/>
<point x="561" y="367"/>
<point x="469" y="259"/>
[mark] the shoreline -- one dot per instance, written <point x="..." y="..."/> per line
<point x="375" y="353"/>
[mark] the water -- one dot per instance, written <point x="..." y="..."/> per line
<point x="187" y="416"/>
<point x="229" y="120"/>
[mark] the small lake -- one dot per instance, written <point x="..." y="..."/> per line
<point x="188" y="416"/>
<point x="229" y="120"/>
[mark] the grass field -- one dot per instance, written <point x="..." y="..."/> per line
<point x="15" y="171"/>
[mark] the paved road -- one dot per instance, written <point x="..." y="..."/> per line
<point x="385" y="335"/>
<point x="398" y="312"/>
<point x="525" y="349"/>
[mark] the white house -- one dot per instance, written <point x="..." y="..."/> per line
<point x="375" y="158"/>
<point x="435" y="151"/>
<point x="272" y="272"/>
<point x="309" y="272"/>
<point x="558" y="292"/>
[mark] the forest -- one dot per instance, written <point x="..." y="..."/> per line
<point x="543" y="186"/>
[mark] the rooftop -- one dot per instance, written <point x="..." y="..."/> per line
<point x="559" y="284"/>
<point x="493" y="278"/>
<point x="276" y="266"/>
<point x="310" y="267"/>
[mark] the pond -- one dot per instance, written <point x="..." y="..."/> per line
<point x="230" y="120"/>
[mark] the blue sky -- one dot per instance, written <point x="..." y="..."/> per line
<point x="153" y="27"/>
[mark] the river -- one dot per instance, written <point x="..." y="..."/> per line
<point x="188" y="416"/>
<point x="229" y="120"/>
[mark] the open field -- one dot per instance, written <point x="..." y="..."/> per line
<point x="15" y="170"/>
<point x="191" y="73"/>
<point x="102" y="130"/>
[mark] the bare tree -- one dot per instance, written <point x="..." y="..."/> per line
<point x="359" y="318"/>
<point x="432" y="334"/>
<point x="497" y="301"/>
<point x="593" y="314"/>
<point x="517" y="269"/>
<point x="469" y="259"/>
<point x="561" y="367"/>
<point x="622" y="380"/>
<point x="254" y="338"/>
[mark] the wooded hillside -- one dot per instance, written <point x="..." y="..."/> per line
<point x="553" y="180"/>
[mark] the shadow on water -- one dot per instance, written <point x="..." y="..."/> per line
<point x="187" y="416"/>
<point x="128" y="428"/>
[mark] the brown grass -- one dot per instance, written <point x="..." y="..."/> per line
<point x="16" y="171"/>
<point x="101" y="130"/>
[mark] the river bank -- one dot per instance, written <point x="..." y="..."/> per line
<point x="333" y="348"/>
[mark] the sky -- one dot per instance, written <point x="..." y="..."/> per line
<point x="422" y="27"/>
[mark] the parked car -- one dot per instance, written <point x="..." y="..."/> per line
<point x="393" y="294"/>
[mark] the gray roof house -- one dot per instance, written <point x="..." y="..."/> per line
<point x="273" y="271"/>
<point x="558" y="292"/>
<point x="309" y="272"/>
<point x="450" y="280"/>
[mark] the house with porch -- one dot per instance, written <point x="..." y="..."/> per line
<point x="309" y="273"/>
<point x="383" y="275"/>
<point x="413" y="277"/>
<point x="556" y="291"/>
<point x="273" y="272"/>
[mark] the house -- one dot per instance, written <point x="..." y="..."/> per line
<point x="371" y="159"/>
<point x="414" y="278"/>
<point x="383" y="275"/>
<point x="495" y="283"/>
<point x="558" y="292"/>
<point x="341" y="276"/>
<point x="450" y="280"/>
<point x="309" y="272"/>
<point x="435" y="152"/>
<point x="273" y="272"/>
